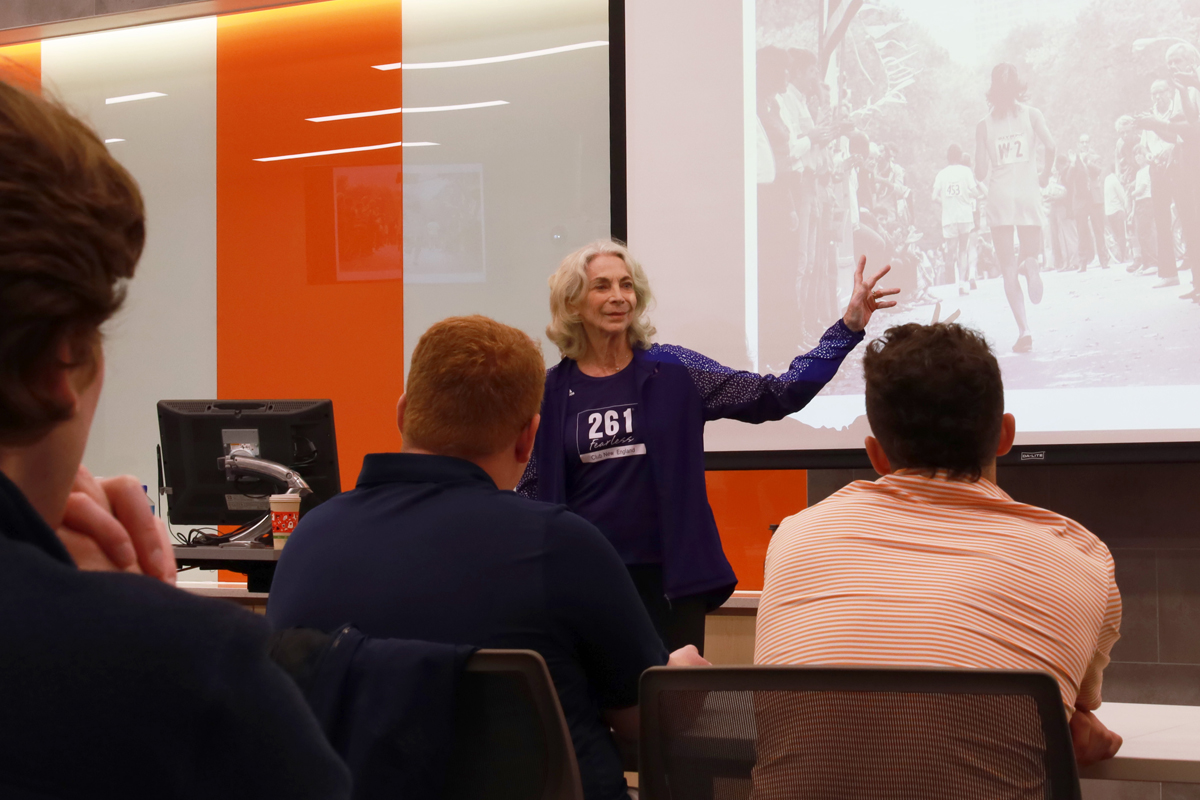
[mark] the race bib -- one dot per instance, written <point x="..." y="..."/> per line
<point x="1012" y="148"/>
<point x="604" y="433"/>
<point x="953" y="190"/>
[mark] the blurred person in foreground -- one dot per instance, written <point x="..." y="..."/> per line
<point x="432" y="544"/>
<point x="115" y="683"/>
<point x="947" y="570"/>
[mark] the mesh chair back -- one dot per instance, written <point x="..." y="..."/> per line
<point x="767" y="733"/>
<point x="511" y="740"/>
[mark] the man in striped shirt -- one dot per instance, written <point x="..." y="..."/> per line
<point x="933" y="565"/>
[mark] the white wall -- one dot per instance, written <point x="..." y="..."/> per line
<point x="543" y="158"/>
<point x="163" y="344"/>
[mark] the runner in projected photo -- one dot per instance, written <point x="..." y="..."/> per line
<point x="1032" y="166"/>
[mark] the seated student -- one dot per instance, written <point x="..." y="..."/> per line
<point x="434" y="545"/>
<point x="111" y="684"/>
<point x="933" y="565"/>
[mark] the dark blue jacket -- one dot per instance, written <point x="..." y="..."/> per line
<point x="115" y="685"/>
<point x="387" y="706"/>
<point x="679" y="391"/>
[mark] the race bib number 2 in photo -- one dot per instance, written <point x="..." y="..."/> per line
<point x="1013" y="148"/>
<point x="604" y="433"/>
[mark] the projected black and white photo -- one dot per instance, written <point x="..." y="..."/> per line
<point x="1031" y="169"/>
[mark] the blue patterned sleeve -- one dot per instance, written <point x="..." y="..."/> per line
<point x="528" y="484"/>
<point x="749" y="397"/>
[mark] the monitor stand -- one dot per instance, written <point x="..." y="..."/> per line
<point x="237" y="464"/>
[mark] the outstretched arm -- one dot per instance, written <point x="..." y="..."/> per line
<point x="750" y="397"/>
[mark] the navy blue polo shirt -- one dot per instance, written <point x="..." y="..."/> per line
<point x="426" y="547"/>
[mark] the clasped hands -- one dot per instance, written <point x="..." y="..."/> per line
<point x="108" y="527"/>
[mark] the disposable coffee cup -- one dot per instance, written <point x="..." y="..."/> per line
<point x="285" y="513"/>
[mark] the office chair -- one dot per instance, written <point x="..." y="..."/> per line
<point x="803" y="733"/>
<point x="511" y="740"/>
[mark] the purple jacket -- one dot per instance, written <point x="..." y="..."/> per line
<point x="680" y="390"/>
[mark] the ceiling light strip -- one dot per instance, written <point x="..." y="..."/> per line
<point x="471" y="62"/>
<point x="110" y="141"/>
<point x="416" y="110"/>
<point x="348" y="150"/>
<point x="129" y="98"/>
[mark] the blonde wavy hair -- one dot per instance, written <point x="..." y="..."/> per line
<point x="569" y="284"/>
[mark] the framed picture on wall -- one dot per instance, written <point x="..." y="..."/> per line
<point x="368" y="222"/>
<point x="443" y="224"/>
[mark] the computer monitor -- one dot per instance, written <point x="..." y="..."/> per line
<point x="196" y="434"/>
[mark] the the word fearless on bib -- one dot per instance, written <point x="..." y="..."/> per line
<point x="604" y="433"/>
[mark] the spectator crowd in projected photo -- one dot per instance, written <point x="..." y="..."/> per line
<point x="1033" y="172"/>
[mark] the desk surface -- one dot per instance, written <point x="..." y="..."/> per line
<point x="225" y="591"/>
<point x="185" y="554"/>
<point x="1162" y="743"/>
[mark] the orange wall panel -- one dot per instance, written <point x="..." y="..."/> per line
<point x="21" y="65"/>
<point x="745" y="503"/>
<point x="310" y="301"/>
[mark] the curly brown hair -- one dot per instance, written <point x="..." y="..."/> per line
<point x="935" y="399"/>
<point x="72" y="227"/>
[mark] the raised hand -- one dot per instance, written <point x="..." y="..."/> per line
<point x="865" y="300"/>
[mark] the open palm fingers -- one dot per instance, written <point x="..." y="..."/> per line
<point x="874" y="279"/>
<point x="876" y="298"/>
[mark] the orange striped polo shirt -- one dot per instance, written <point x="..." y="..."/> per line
<point x="916" y="571"/>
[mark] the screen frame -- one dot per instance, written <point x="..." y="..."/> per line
<point x="847" y="458"/>
<point x="1025" y="455"/>
<point x="618" y="190"/>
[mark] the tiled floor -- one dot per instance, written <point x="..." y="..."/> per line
<point x="1157" y="659"/>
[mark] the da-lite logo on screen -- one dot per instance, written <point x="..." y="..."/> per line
<point x="1033" y="455"/>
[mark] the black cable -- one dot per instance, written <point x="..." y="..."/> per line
<point x="189" y="539"/>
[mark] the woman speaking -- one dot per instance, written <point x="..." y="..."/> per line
<point x="622" y="435"/>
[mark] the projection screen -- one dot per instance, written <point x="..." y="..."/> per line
<point x="1027" y="168"/>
